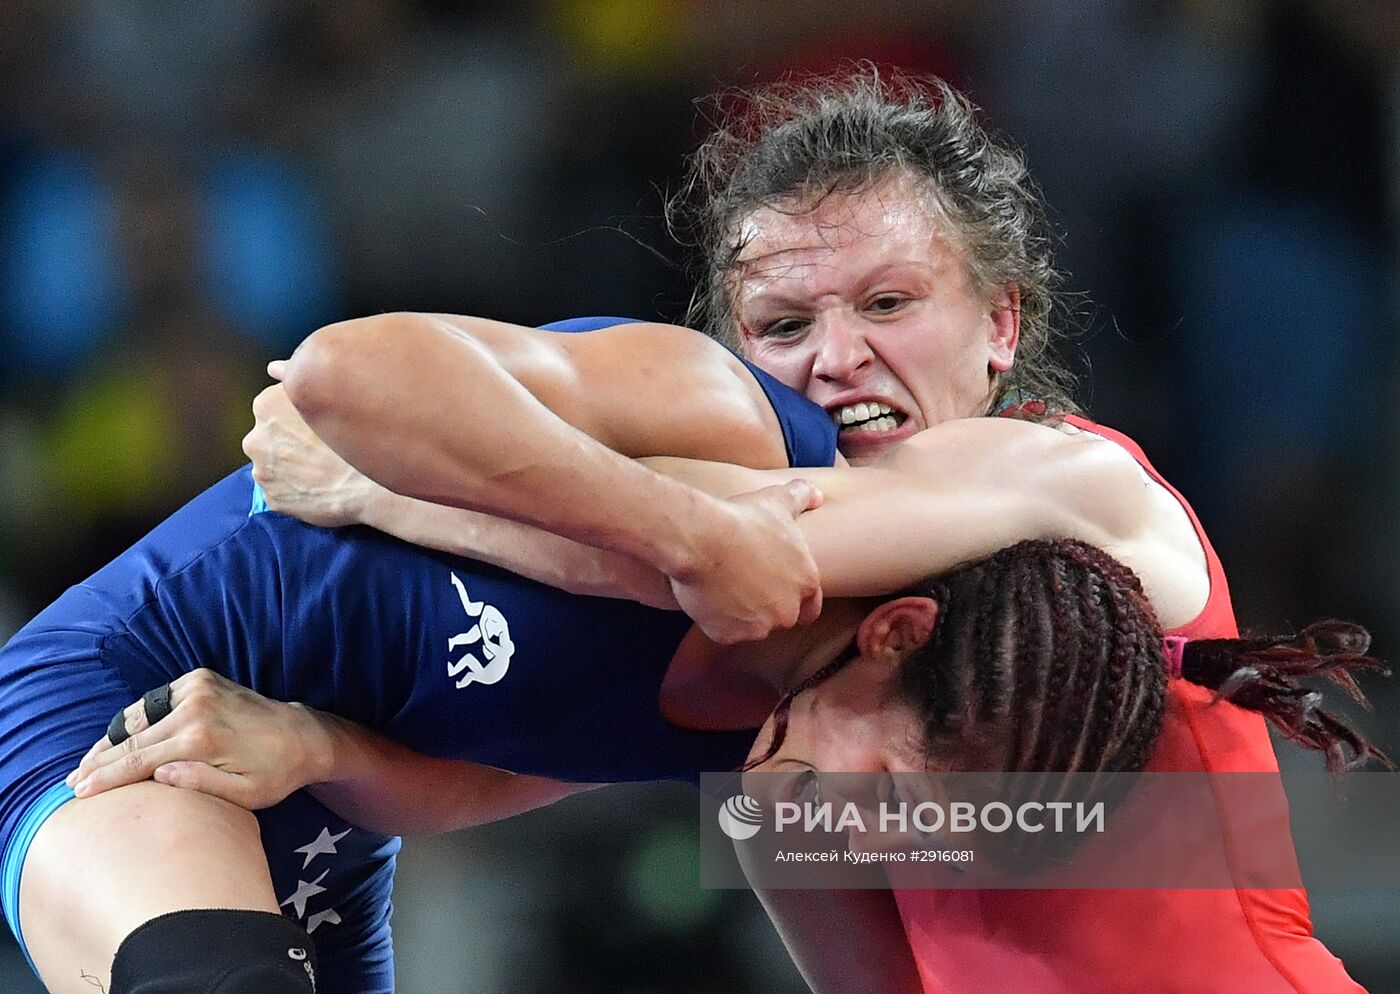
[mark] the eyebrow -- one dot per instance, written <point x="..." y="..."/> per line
<point x="776" y="299"/>
<point x="880" y="272"/>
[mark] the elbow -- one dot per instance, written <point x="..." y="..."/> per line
<point x="337" y="366"/>
<point x="311" y="374"/>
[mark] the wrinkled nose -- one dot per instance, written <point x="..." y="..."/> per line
<point x="841" y="349"/>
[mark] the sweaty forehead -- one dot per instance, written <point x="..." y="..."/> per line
<point x="878" y="216"/>
<point x="844" y="238"/>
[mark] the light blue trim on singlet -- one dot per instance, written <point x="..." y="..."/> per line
<point x="259" y="501"/>
<point x="12" y="862"/>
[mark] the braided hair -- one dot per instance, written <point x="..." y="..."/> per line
<point x="1048" y="657"/>
<point x="1264" y="675"/>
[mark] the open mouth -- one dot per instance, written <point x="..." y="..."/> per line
<point x="870" y="416"/>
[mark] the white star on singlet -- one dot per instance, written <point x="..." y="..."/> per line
<point x="323" y="846"/>
<point x="305" y="891"/>
<point x="327" y="917"/>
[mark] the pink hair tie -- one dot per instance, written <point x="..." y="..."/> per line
<point x="1172" y="648"/>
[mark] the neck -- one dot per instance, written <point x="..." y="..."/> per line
<point x="736" y="686"/>
<point x="816" y="645"/>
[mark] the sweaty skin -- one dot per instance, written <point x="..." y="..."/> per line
<point x="867" y="300"/>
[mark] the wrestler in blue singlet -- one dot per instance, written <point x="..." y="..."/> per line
<point x="448" y="656"/>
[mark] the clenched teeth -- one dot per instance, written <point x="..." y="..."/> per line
<point x="853" y="413"/>
<point x="879" y="424"/>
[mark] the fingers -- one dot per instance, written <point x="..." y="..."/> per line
<point x="811" y="608"/>
<point x="188" y="748"/>
<point x="794" y="496"/>
<point x="141" y="732"/>
<point x="105" y="754"/>
<point x="268" y="402"/>
<point x="805" y="496"/>
<point x="124" y="764"/>
<point x="769" y="579"/>
<point x="134" y="715"/>
<point x="207" y="779"/>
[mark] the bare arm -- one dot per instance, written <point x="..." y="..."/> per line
<point x="301" y="476"/>
<point x="964" y="489"/>
<point x="842" y="941"/>
<point x="223" y="739"/>
<point x="536" y="427"/>
<point x="381" y="786"/>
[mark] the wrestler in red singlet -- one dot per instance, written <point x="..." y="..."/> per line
<point x="1138" y="941"/>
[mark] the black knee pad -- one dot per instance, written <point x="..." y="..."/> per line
<point x="216" y="952"/>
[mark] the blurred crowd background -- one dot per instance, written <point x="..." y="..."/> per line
<point x="187" y="189"/>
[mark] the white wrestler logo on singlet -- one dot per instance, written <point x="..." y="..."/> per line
<point x="491" y="631"/>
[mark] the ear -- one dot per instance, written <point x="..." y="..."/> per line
<point x="1005" y="332"/>
<point x="897" y="626"/>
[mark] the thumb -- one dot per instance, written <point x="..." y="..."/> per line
<point x="277" y="369"/>
<point x="207" y="779"/>
<point x="801" y="496"/>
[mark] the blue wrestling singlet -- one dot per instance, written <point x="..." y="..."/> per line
<point x="446" y="655"/>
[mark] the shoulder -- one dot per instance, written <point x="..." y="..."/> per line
<point x="1070" y="482"/>
<point x="644" y="339"/>
<point x="1067" y="481"/>
<point x="1068" y="462"/>
<point x="1107" y="497"/>
<point x="702" y="387"/>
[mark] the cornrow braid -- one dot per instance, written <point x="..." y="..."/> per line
<point x="1048" y="657"/>
<point x="1046" y="642"/>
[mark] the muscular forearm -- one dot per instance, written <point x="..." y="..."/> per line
<point x="517" y="423"/>
<point x="383" y="787"/>
<point x="420" y="406"/>
<point x="520" y="548"/>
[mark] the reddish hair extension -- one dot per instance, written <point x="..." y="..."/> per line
<point x="1265" y="674"/>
